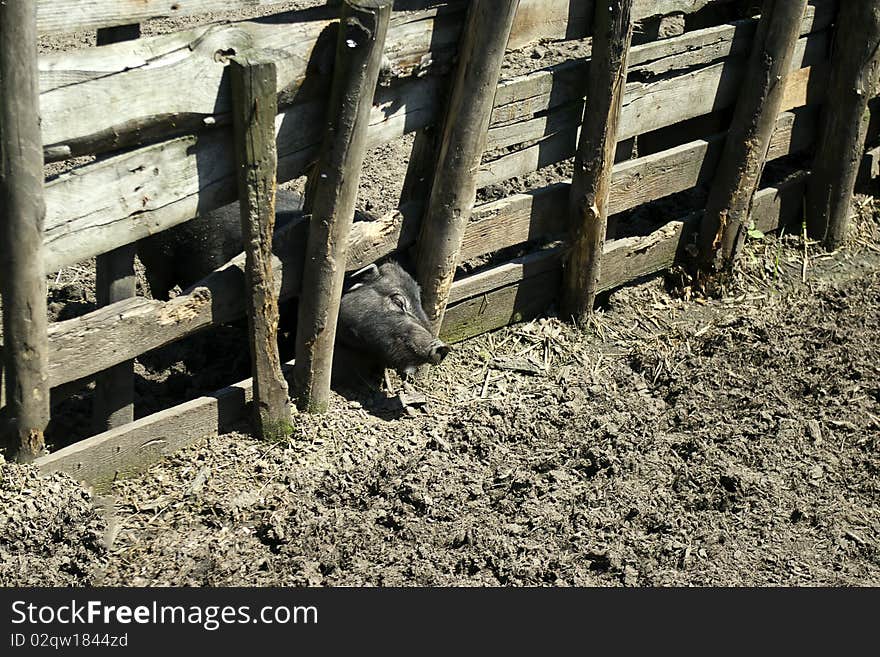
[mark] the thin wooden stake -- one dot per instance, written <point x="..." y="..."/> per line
<point x="726" y="219"/>
<point x="855" y="79"/>
<point x="115" y="280"/>
<point x="462" y="141"/>
<point x="333" y="192"/>
<point x="253" y="79"/>
<point x="591" y="182"/>
<point x="25" y="320"/>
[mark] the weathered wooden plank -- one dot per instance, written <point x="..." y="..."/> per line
<point x="728" y="207"/>
<point x="647" y="106"/>
<point x="670" y="102"/>
<point x="461" y="143"/>
<point x="710" y="44"/>
<point x="132" y="448"/>
<point x="521" y="97"/>
<point x="572" y="19"/>
<point x="590" y="191"/>
<point x="525" y="287"/>
<point x="90" y="111"/>
<point x="110" y="203"/>
<point x="506" y="305"/>
<point x="516" y="270"/>
<point x="115" y="280"/>
<point x="854" y="80"/>
<point x="93" y="99"/>
<point x="652" y="105"/>
<point x="539" y="213"/>
<point x="254" y="110"/>
<point x="331" y="195"/>
<point x="21" y="229"/>
<point x="59" y="16"/>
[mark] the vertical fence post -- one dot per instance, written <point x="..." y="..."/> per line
<point x="254" y="106"/>
<point x="855" y="79"/>
<point x="591" y="181"/>
<point x="726" y="218"/>
<point x="25" y="321"/>
<point x="333" y="187"/>
<point x="115" y="280"/>
<point x="462" y="141"/>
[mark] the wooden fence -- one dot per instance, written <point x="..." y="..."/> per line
<point x="167" y="156"/>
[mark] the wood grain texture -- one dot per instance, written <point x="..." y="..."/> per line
<point x="254" y="108"/>
<point x="523" y="288"/>
<point x="331" y="195"/>
<point x="590" y="191"/>
<point x="726" y="218"/>
<point x="25" y="322"/>
<point x="854" y="79"/>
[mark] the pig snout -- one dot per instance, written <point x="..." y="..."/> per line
<point x="437" y="351"/>
<point x="382" y="315"/>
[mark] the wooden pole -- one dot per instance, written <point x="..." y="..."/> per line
<point x="726" y="219"/>
<point x="25" y="320"/>
<point x="591" y="181"/>
<point x="462" y="141"/>
<point x="363" y="27"/>
<point x="855" y="79"/>
<point x="115" y="280"/>
<point x="254" y="103"/>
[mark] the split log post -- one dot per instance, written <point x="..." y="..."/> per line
<point x="591" y="181"/>
<point x="25" y="320"/>
<point x="334" y="186"/>
<point x="855" y="79"/>
<point x="462" y="141"/>
<point x="726" y="219"/>
<point x="254" y="102"/>
<point x="115" y="280"/>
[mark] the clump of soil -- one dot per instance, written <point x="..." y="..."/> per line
<point x="51" y="534"/>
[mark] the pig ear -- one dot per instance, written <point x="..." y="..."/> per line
<point x="363" y="277"/>
<point x="366" y="275"/>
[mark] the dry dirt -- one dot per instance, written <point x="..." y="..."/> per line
<point x="672" y="441"/>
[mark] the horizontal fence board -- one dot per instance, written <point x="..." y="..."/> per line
<point x="648" y="107"/>
<point x="133" y="447"/>
<point x="710" y="44"/>
<point x="572" y="19"/>
<point x="93" y="99"/>
<point x="536" y="19"/>
<point x="61" y="16"/>
<point x="115" y="201"/>
<point x="541" y="213"/>
<point x="112" y="111"/>
<point x="521" y="97"/>
<point x="500" y="298"/>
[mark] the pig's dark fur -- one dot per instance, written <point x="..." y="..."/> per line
<point x="380" y="317"/>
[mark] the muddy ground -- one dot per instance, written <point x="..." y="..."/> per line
<point x="673" y="441"/>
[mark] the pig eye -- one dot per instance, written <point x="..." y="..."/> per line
<point x="400" y="301"/>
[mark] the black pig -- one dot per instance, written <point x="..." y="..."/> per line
<point x="381" y="316"/>
<point x="187" y="253"/>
